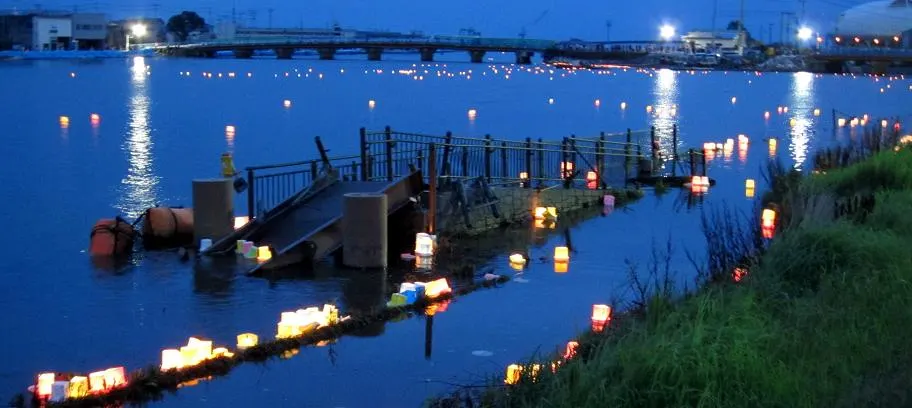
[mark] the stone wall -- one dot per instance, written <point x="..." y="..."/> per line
<point x="513" y="205"/>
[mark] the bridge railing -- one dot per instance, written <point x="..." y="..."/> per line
<point x="268" y="186"/>
<point x="863" y="51"/>
<point x="389" y="154"/>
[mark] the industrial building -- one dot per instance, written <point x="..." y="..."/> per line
<point x="49" y="30"/>
<point x="727" y="41"/>
<point x="117" y="31"/>
<point x="885" y="23"/>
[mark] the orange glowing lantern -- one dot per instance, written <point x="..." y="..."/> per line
<point x="171" y="359"/>
<point x="97" y="382"/>
<point x="601" y="313"/>
<point x="523" y="179"/>
<point x="738" y="274"/>
<point x="95" y="118"/>
<point x="45" y="381"/>
<point x="571" y="349"/>
<point x="79" y="387"/>
<point x="768" y="217"/>
<point x="566" y="169"/>
<point x="768" y="232"/>
<point x="437" y="288"/>
<point x="542" y="213"/>
<point x="514" y="373"/>
<point x="64" y="122"/>
<point x="561" y="254"/>
<point x="591" y="176"/>
<point x="246" y="340"/>
<point x="561" y="267"/>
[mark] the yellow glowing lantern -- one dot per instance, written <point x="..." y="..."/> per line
<point x="264" y="254"/>
<point x="863" y="122"/>
<point x="424" y="244"/>
<point x="171" y="359"/>
<point x="246" y="340"/>
<point x="517" y="259"/>
<point x="648" y="108"/>
<point x="79" y="387"/>
<point x="517" y="267"/>
<point x="523" y="175"/>
<point x="95" y="117"/>
<point x="221" y="352"/>
<point x="514" y="372"/>
<point x="286" y="330"/>
<point x="542" y="213"/>
<point x="64" y="121"/>
<point x="841" y="122"/>
<point x="436" y="288"/>
<point x="45" y="381"/>
<point x="601" y="313"/>
<point x="473" y="113"/>
<point x="228" y="165"/>
<point x="115" y="377"/>
<point x="709" y="146"/>
<point x="749" y="192"/>
<point x="591" y="176"/>
<point x="97" y="382"/>
<point x="286" y="103"/>
<point x="623" y="105"/>
<point x="816" y="111"/>
<point x="561" y="254"/>
<point x="241" y="221"/>
<point x="561" y="267"/>
<point x="793" y="122"/>
<point x="749" y="183"/>
<point x="768" y="217"/>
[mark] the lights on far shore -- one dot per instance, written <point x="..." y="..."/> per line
<point x="805" y="33"/>
<point x="667" y="32"/>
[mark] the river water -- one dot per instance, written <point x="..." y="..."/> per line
<point x="162" y="123"/>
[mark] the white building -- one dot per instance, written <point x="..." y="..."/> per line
<point x="710" y="41"/>
<point x="885" y="23"/>
<point x="51" y="33"/>
<point x="230" y="31"/>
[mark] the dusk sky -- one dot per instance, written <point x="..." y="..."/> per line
<point x="631" y="19"/>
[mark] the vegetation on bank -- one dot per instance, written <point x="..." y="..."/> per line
<point x="822" y="317"/>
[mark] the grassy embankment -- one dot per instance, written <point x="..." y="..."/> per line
<point x="823" y="317"/>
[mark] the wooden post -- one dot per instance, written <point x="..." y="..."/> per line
<point x="528" y="162"/>
<point x="389" y="153"/>
<point x="251" y="197"/>
<point x="504" y="168"/>
<point x="365" y="175"/>
<point x="448" y="141"/>
<point x="432" y="189"/>
<point x="314" y="171"/>
<point x="487" y="158"/>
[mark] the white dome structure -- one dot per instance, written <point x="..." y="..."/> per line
<point x="877" y="18"/>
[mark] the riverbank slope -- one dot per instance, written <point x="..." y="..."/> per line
<point x="821" y="320"/>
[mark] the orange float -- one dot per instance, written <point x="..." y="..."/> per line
<point x="166" y="227"/>
<point x="111" y="237"/>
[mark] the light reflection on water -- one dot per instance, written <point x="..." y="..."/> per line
<point x="801" y="107"/>
<point x="139" y="189"/>
<point x="665" y="92"/>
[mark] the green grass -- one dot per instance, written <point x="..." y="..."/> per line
<point x="824" y="318"/>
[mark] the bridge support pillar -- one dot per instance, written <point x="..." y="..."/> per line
<point x="427" y="54"/>
<point x="327" y="53"/>
<point x="524" y="57"/>
<point x="284" y="53"/>
<point x="207" y="54"/>
<point x="374" y="53"/>
<point x="879" y="67"/>
<point x="477" y="55"/>
<point x="243" y="53"/>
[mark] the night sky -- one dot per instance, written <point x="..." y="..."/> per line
<point x="548" y="19"/>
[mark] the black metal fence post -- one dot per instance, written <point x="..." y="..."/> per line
<point x="365" y="175"/>
<point x="251" y="197"/>
<point x="541" y="162"/>
<point x="448" y="141"/>
<point x="389" y="153"/>
<point x="528" y="169"/>
<point x="487" y="158"/>
<point x="504" y="168"/>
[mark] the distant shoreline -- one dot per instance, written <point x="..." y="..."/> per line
<point x="70" y="55"/>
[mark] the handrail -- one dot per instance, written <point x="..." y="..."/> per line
<point x="298" y="163"/>
<point x="439" y="41"/>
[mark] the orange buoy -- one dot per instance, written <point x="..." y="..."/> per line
<point x="166" y="227"/>
<point x="111" y="237"/>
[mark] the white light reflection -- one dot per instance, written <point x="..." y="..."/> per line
<point x="139" y="189"/>
<point x="665" y="108"/>
<point x="801" y="124"/>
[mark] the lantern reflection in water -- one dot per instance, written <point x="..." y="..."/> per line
<point x="424" y="244"/>
<point x="542" y="213"/>
<point x="424" y="263"/>
<point x="561" y="267"/>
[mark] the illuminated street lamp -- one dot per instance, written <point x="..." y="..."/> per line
<point x="137" y="31"/>
<point x="805" y="33"/>
<point x="667" y="32"/>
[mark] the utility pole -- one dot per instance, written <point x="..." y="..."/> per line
<point x="607" y="30"/>
<point x="742" y="36"/>
<point x="714" y="15"/>
<point x="270" y="16"/>
<point x="769" y="37"/>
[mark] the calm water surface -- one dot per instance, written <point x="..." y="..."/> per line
<point x="160" y="127"/>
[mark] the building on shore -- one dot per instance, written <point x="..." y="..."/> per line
<point x="117" y="31"/>
<point x="229" y="31"/>
<point x="51" y="30"/>
<point x="877" y="24"/>
<point x="709" y="41"/>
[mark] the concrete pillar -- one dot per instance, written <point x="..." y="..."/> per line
<point x="374" y="53"/>
<point x="207" y="54"/>
<point x="327" y="53"/>
<point x="284" y="53"/>
<point x="243" y="53"/>
<point x="524" y="57"/>
<point x="477" y="55"/>
<point x="213" y="209"/>
<point x="427" y="54"/>
<point x="879" y="67"/>
<point x="364" y="230"/>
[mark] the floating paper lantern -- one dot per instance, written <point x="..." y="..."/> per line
<point x="623" y="105"/>
<point x="601" y="313"/>
<point x="264" y="254"/>
<point x="709" y="146"/>
<point x="79" y="387"/>
<point x="371" y="104"/>
<point x="542" y="213"/>
<point x="514" y="373"/>
<point x="246" y="340"/>
<point x="550" y="101"/>
<point x="884" y="123"/>
<point x="517" y="259"/>
<point x="472" y="114"/>
<point x="424" y="262"/>
<point x="59" y="391"/>
<point x="424" y="244"/>
<point x="768" y="217"/>
<point x="598" y="103"/>
<point x="841" y="122"/>
<point x="570" y="350"/>
<point x="64" y="122"/>
<point x="749" y="193"/>
<point x="648" y="108"/>
<point x="738" y="274"/>
<point x="219" y="352"/>
<point x="591" y="176"/>
<point x="523" y="175"/>
<point x="817" y="112"/>
<point x="171" y="359"/>
<point x="766" y="115"/>
<point x="286" y="103"/>
<point x="561" y="254"/>
<point x="229" y="129"/>
<point x="45" y="381"/>
<point x="749" y="184"/>
<point x="251" y="251"/>
<point x="97" y="382"/>
<point x="436" y="288"/>
<point x="734" y="99"/>
<point x="115" y="377"/>
<point x="793" y="122"/>
<point x="94" y="118"/>
<point x="241" y="221"/>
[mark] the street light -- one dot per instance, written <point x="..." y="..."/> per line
<point x="666" y="32"/>
<point x="805" y="33"/>
<point x="136" y="31"/>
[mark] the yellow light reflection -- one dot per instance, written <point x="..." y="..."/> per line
<point x="666" y="98"/>
<point x="139" y="189"/>
<point x="802" y="120"/>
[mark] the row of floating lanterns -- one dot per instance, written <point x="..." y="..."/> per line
<point x="55" y="387"/>
<point x="601" y="317"/>
<point x="411" y="292"/>
<point x="94" y="120"/>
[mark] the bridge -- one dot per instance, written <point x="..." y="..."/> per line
<point x="833" y="59"/>
<point x="326" y="48"/>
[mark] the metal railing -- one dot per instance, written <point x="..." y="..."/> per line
<point x="359" y="42"/>
<point x="268" y="186"/>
